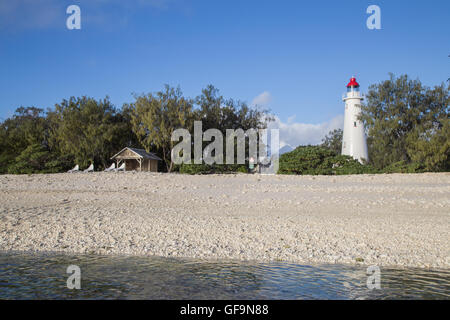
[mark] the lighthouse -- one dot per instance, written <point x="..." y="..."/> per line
<point x="354" y="138"/>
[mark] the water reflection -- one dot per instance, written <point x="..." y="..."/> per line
<point x="43" y="276"/>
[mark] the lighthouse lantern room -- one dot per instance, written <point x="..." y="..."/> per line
<point x="354" y="138"/>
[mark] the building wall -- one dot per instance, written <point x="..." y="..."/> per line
<point x="131" y="164"/>
<point x="147" y="165"/>
<point x="154" y="165"/>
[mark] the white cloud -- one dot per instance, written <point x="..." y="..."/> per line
<point x="297" y="133"/>
<point x="262" y="100"/>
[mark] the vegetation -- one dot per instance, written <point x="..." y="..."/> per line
<point x="155" y="117"/>
<point x="36" y="159"/>
<point x="25" y="128"/>
<point x="87" y="131"/>
<point x="408" y="131"/>
<point x="314" y="160"/>
<point x="407" y="124"/>
<point x="403" y="167"/>
<point x="84" y="130"/>
<point x="333" y="141"/>
<point x="212" y="169"/>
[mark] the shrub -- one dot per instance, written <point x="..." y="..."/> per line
<point x="304" y="160"/>
<point x="404" y="167"/>
<point x="242" y="169"/>
<point x="211" y="169"/>
<point x="195" y="169"/>
<point x="37" y="159"/>
<point x="341" y="165"/>
<point x="318" y="160"/>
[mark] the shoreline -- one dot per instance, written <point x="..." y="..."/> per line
<point x="216" y="260"/>
<point x="396" y="220"/>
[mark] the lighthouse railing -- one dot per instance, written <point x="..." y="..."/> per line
<point x="352" y="95"/>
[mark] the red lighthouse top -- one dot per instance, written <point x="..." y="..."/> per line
<point x="353" y="83"/>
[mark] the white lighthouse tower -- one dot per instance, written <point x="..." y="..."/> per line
<point x="354" y="138"/>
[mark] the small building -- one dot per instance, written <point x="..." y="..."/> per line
<point x="136" y="159"/>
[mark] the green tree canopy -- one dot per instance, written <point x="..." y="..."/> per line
<point x="89" y="131"/>
<point x="333" y="141"/>
<point x="36" y="158"/>
<point x="26" y="127"/>
<point x="220" y="113"/>
<point x="406" y="121"/>
<point x="217" y="112"/>
<point x="155" y="117"/>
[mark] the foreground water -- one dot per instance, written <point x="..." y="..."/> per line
<point x="43" y="276"/>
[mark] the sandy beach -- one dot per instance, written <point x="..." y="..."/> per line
<point x="385" y="220"/>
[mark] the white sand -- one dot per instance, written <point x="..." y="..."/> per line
<point x="401" y="220"/>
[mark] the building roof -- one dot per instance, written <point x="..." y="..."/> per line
<point x="140" y="153"/>
<point x="353" y="83"/>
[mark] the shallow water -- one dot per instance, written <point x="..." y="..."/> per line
<point x="43" y="276"/>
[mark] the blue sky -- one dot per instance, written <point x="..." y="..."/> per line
<point x="294" y="57"/>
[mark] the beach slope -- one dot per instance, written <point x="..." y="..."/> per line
<point x="385" y="220"/>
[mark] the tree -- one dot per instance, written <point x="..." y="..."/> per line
<point x="36" y="158"/>
<point x="429" y="145"/>
<point x="219" y="113"/>
<point x="87" y="130"/>
<point x="333" y="141"/>
<point x="408" y="122"/>
<point x="128" y="138"/>
<point x="155" y="117"/>
<point x="26" y="127"/>
<point x="216" y="112"/>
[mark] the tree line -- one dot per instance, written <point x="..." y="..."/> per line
<point x="84" y="130"/>
<point x="407" y="125"/>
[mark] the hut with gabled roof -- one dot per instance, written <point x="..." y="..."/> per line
<point x="136" y="159"/>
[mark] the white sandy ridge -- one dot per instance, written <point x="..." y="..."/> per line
<point x="395" y="220"/>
